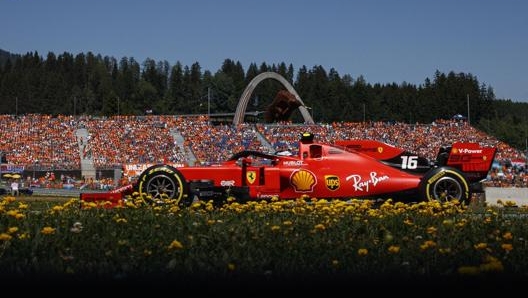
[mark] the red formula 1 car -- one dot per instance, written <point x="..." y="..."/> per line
<point x="347" y="169"/>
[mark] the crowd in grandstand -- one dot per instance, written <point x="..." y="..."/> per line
<point x="40" y="140"/>
<point x="53" y="143"/>
<point x="126" y="139"/>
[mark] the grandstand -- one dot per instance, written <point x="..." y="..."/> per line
<point x="94" y="150"/>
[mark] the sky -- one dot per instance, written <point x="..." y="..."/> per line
<point x="385" y="41"/>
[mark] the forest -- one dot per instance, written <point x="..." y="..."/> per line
<point x="93" y="84"/>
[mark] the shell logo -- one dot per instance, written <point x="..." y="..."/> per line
<point x="455" y="150"/>
<point x="380" y="149"/>
<point x="303" y="181"/>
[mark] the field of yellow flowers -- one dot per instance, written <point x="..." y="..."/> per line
<point x="273" y="240"/>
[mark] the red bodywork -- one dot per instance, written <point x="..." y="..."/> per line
<point x="346" y="169"/>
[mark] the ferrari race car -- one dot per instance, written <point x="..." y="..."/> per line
<point x="363" y="169"/>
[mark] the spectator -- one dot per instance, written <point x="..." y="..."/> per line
<point x="14" y="188"/>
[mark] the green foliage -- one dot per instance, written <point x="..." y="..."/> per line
<point x="508" y="123"/>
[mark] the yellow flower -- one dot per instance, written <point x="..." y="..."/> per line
<point x="448" y="222"/>
<point x="57" y="208"/>
<point x="12" y="213"/>
<point x="12" y="230"/>
<point x="480" y="246"/>
<point x="510" y="204"/>
<point x="446" y="250"/>
<point x="335" y="263"/>
<point x="507" y="236"/>
<point x="231" y="267"/>
<point x="431" y="230"/>
<point x="275" y="228"/>
<point x="362" y="251"/>
<point x="88" y="205"/>
<point x="9" y="199"/>
<point x="507" y="246"/>
<point x="408" y="222"/>
<point x="209" y="206"/>
<point x="393" y="249"/>
<point x="23" y="206"/>
<point x="493" y="266"/>
<point x="47" y="230"/>
<point x="23" y="236"/>
<point x="175" y="244"/>
<point x="468" y="270"/>
<point x="174" y="209"/>
<point x="461" y="223"/>
<point x="319" y="227"/>
<point x="5" y="237"/>
<point x="427" y="244"/>
<point x="287" y="223"/>
<point x="120" y="220"/>
<point x="122" y="242"/>
<point x="350" y="209"/>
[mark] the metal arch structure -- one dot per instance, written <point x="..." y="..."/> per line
<point x="246" y="95"/>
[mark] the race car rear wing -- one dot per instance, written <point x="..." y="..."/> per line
<point x="472" y="159"/>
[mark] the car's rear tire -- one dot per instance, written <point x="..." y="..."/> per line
<point x="163" y="182"/>
<point x="445" y="184"/>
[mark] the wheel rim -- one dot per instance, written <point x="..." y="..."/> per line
<point x="161" y="184"/>
<point x="446" y="189"/>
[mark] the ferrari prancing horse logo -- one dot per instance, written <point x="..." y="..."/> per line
<point x="251" y="176"/>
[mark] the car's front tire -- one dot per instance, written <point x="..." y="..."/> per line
<point x="163" y="182"/>
<point x="445" y="184"/>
